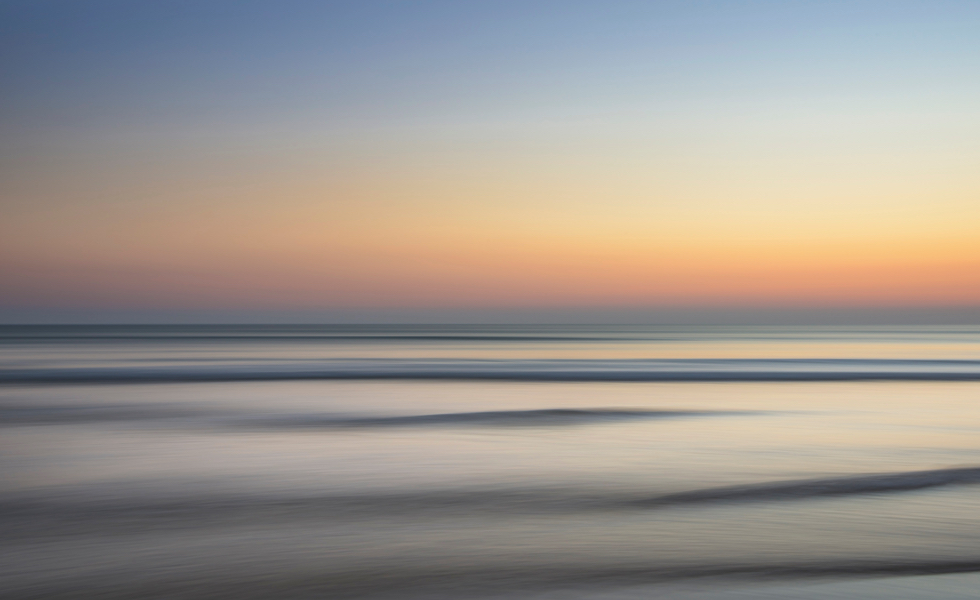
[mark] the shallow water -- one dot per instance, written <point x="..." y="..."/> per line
<point x="490" y="462"/>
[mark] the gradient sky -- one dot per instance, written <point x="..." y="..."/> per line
<point x="283" y="157"/>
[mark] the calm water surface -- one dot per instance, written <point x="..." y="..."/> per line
<point x="308" y="462"/>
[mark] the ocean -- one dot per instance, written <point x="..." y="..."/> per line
<point x="500" y="462"/>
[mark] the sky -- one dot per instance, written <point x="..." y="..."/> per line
<point x="481" y="160"/>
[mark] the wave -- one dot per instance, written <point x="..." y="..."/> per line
<point x="106" y="511"/>
<point x="813" y="488"/>
<point x="680" y="370"/>
<point x="443" y="582"/>
<point x="546" y="417"/>
<point x="531" y="418"/>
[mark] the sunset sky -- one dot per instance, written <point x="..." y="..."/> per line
<point x="267" y="159"/>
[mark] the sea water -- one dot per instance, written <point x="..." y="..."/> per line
<point x="457" y="462"/>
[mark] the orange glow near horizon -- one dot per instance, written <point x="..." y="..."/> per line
<point x="388" y="239"/>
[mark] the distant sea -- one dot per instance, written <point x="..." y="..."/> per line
<point x="502" y="462"/>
